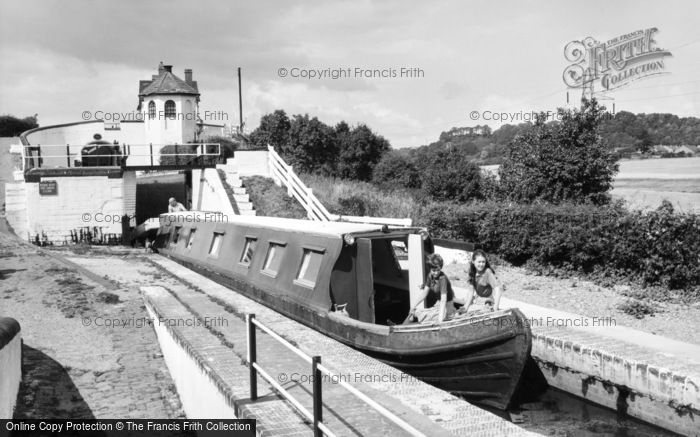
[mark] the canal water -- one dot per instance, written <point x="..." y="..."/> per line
<point x="557" y="413"/>
<point x="561" y="414"/>
<point x="546" y="410"/>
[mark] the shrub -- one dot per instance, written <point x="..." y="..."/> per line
<point x="660" y="247"/>
<point x="170" y="155"/>
<point x="228" y="146"/>
<point x="347" y="197"/>
<point x="396" y="171"/>
<point x="353" y="205"/>
<point x="637" y="309"/>
<point x="271" y="200"/>
<point x="560" y="162"/>
<point x="182" y="154"/>
<point x="451" y="176"/>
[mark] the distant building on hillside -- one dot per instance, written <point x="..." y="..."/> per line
<point x="688" y="150"/>
<point x="464" y="131"/>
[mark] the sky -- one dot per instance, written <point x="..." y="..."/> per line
<point x="61" y="58"/>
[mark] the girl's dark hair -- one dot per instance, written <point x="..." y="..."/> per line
<point x="435" y="260"/>
<point x="472" y="267"/>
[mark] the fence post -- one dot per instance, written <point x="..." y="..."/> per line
<point x="317" y="393"/>
<point x="150" y="146"/>
<point x="68" y="155"/>
<point x="252" y="356"/>
<point x="288" y="179"/>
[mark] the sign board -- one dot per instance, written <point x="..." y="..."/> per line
<point x="112" y="125"/>
<point x="614" y="63"/>
<point x="48" y="188"/>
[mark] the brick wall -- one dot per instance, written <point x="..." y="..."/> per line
<point x="81" y="201"/>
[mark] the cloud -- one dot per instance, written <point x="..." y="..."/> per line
<point x="60" y="87"/>
<point x="61" y="57"/>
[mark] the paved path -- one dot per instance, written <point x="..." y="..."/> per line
<point x="74" y="370"/>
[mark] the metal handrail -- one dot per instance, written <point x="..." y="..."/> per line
<point x="317" y="369"/>
<point x="196" y="153"/>
<point x="125" y="151"/>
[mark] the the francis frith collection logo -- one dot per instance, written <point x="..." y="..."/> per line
<point x="614" y="63"/>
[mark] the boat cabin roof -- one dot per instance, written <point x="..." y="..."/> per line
<point x="306" y="226"/>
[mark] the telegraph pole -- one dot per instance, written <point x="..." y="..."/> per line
<point x="240" y="103"/>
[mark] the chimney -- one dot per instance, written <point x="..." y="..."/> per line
<point x="188" y="75"/>
<point x="160" y="67"/>
<point x="168" y="68"/>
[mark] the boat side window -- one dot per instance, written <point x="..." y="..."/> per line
<point x="215" y="245"/>
<point x="309" y="268"/>
<point x="176" y="234"/>
<point x="248" y="251"/>
<point x="190" y="238"/>
<point x="273" y="260"/>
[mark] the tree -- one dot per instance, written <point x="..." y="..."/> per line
<point x="11" y="126"/>
<point x="451" y="176"/>
<point x="565" y="161"/>
<point x="273" y="130"/>
<point x="396" y="170"/>
<point x="644" y="142"/>
<point x="359" y="151"/>
<point x="311" y="146"/>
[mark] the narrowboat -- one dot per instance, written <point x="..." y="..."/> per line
<point x="349" y="281"/>
<point x="145" y="232"/>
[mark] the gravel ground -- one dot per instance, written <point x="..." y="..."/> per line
<point x="676" y="321"/>
<point x="74" y="365"/>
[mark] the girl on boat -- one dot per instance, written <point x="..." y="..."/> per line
<point x="438" y="295"/>
<point x="483" y="284"/>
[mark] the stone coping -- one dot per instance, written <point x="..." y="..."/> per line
<point x="9" y="328"/>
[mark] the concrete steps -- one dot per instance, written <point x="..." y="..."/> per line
<point x="238" y="192"/>
<point x="16" y="208"/>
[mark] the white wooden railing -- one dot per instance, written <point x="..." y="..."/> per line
<point x="284" y="174"/>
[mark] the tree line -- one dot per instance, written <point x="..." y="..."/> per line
<point x="11" y="126"/>
<point x="553" y="162"/>
<point x="311" y="146"/>
<point x="623" y="130"/>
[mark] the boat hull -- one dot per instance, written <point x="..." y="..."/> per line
<point x="480" y="358"/>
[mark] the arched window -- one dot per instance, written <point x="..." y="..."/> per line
<point x="151" y="110"/>
<point x="169" y="109"/>
<point x="189" y="114"/>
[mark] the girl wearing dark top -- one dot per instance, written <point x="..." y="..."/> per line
<point x="437" y="292"/>
<point x="483" y="283"/>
